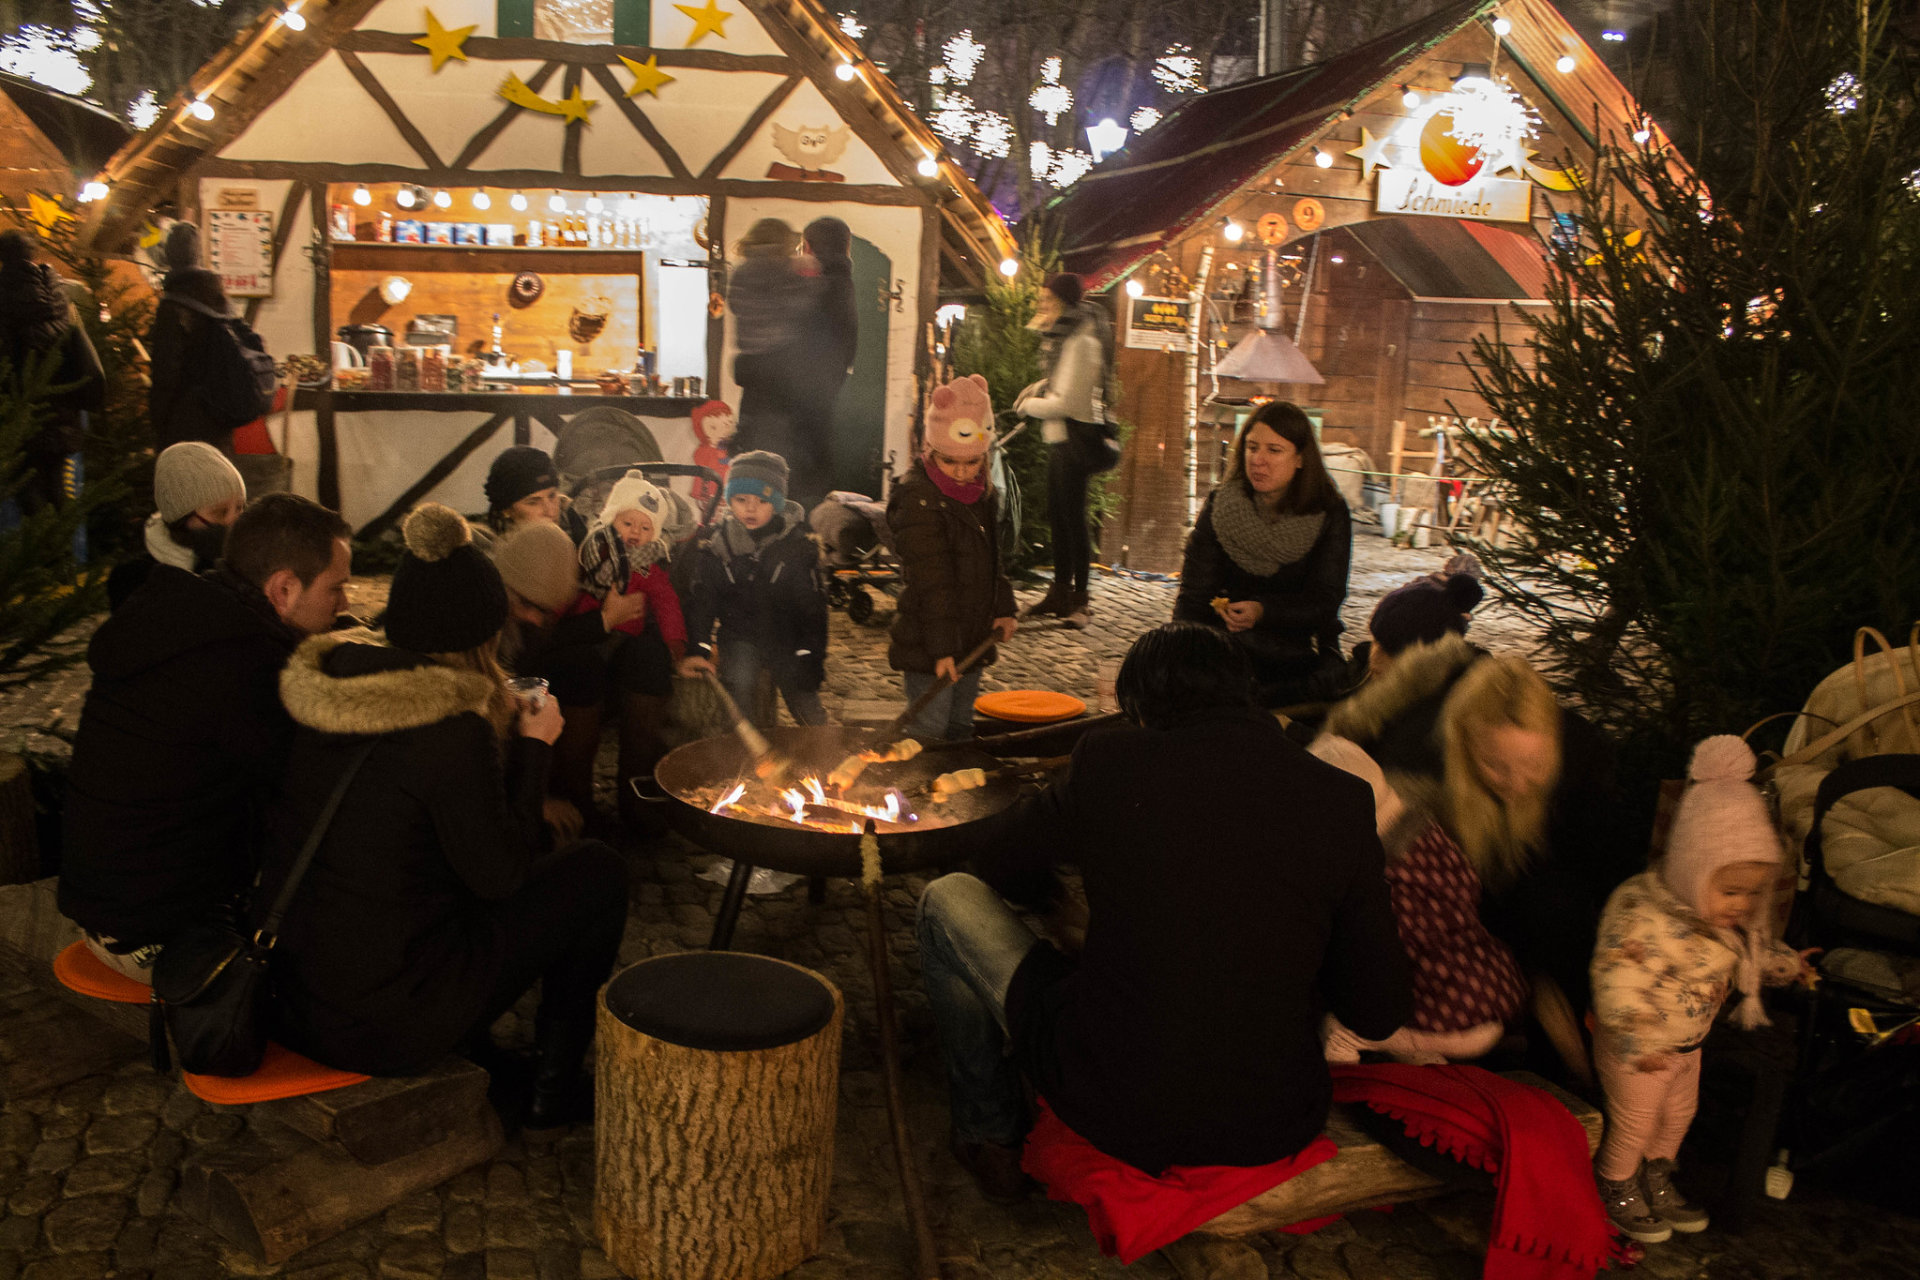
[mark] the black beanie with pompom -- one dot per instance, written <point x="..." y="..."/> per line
<point x="1424" y="610"/>
<point x="447" y="596"/>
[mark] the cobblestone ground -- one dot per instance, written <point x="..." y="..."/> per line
<point x="87" y="1174"/>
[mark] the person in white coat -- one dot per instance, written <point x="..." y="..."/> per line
<point x="1070" y="404"/>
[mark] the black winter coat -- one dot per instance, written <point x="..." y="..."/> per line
<point x="1235" y="891"/>
<point x="955" y="585"/>
<point x="38" y="322"/>
<point x="181" y="741"/>
<point x="770" y="597"/>
<point x="395" y="938"/>
<point x="198" y="392"/>
<point x="1300" y="602"/>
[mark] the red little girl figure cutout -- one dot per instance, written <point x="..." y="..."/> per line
<point x="714" y="426"/>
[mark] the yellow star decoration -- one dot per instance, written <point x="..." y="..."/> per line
<point x="647" y="76"/>
<point x="46" y="214"/>
<point x="1619" y="243"/>
<point x="572" y="107"/>
<point x="1371" y="152"/>
<point x="151" y="235"/>
<point x="710" y="17"/>
<point x="442" y="43"/>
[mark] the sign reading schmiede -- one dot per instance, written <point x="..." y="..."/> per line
<point x="1410" y="191"/>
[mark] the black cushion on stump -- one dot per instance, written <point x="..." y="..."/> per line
<point x="724" y="1001"/>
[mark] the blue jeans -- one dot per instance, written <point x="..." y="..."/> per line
<point x="970" y="944"/>
<point x="949" y="717"/>
<point x="740" y="665"/>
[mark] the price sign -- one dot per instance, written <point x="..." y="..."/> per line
<point x="240" y="251"/>
<point x="1272" y="228"/>
<point x="1159" y="324"/>
<point x="1309" y="214"/>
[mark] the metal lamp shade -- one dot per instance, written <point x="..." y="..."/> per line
<point x="1266" y="356"/>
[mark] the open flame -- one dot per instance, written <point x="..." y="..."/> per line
<point x="810" y="805"/>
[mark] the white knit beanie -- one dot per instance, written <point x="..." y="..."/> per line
<point x="1723" y="821"/>
<point x="191" y="475"/>
<point x="634" y="492"/>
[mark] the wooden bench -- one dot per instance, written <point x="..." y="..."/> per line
<point x="303" y="1169"/>
<point x="1365" y="1175"/>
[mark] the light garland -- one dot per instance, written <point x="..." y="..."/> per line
<point x="1144" y="119"/>
<point x="961" y="55"/>
<point x="1178" y="71"/>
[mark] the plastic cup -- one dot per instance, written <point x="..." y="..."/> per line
<point x="531" y="690"/>
<point x="1106" y="678"/>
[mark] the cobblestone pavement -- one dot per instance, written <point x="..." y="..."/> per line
<point x="87" y="1174"/>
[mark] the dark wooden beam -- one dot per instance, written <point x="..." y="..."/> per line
<point x="434" y="475"/>
<point x="716" y="284"/>
<point x="816" y="192"/>
<point x="603" y="76"/>
<point x="378" y="92"/>
<point x="570" y="150"/>
<point x="496" y="49"/>
<point x="322" y="288"/>
<point x="718" y="165"/>
<point x="281" y="229"/>
<point x="495" y="127"/>
<point x="849" y="101"/>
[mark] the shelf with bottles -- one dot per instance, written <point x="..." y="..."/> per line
<point x="484" y="218"/>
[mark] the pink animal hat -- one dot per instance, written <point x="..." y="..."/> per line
<point x="1722" y="821"/>
<point x="960" y="419"/>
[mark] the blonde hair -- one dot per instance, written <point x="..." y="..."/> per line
<point x="502" y="707"/>
<point x="1499" y="836"/>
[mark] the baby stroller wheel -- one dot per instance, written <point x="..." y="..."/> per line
<point x="859" y="605"/>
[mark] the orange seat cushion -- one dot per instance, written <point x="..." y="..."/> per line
<point x="78" y="969"/>
<point x="1029" y="706"/>
<point x="282" y="1074"/>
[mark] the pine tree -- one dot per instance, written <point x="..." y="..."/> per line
<point x="1713" y="462"/>
<point x="44" y="591"/>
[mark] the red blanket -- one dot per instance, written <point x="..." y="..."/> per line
<point x="1132" y="1214"/>
<point x="1548" y="1223"/>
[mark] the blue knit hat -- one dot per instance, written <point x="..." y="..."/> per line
<point x="762" y="474"/>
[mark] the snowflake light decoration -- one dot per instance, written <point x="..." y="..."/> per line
<point x="1490" y="115"/>
<point x="1912" y="183"/>
<point x="852" y="26"/>
<point x="954" y="119"/>
<point x="1178" y="71"/>
<point x="992" y="135"/>
<point x="962" y="55"/>
<point x="47" y="57"/>
<point x="143" y="111"/>
<point x="1051" y="98"/>
<point x="1039" y="159"/>
<point x="1068" y="166"/>
<point x="1144" y="119"/>
<point x="1843" y="93"/>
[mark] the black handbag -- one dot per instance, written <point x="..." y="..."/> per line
<point x="210" y="983"/>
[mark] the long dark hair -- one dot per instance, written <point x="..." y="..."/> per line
<point x="1311" y="488"/>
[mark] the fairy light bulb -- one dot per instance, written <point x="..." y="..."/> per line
<point x="443" y="199"/>
<point x="1135" y="289"/>
<point x="292" y="20"/>
<point x="1233" y="231"/>
<point x="481" y="200"/>
<point x="201" y="110"/>
<point x="1564" y="64"/>
<point x="1410" y="98"/>
<point x="557" y="203"/>
<point x="362" y="196"/>
<point x="845" y="71"/>
<point x="1322" y="158"/>
<point x="404" y="197"/>
<point x="594" y="204"/>
<point x="929" y="167"/>
<point x="1009" y="268"/>
<point x="519" y="201"/>
<point x="1502" y="27"/>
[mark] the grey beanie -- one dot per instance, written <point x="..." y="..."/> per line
<point x="762" y="474"/>
<point x="183" y="246"/>
<point x="191" y="475"/>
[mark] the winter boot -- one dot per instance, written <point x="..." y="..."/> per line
<point x="574" y="753"/>
<point x="562" y="1092"/>
<point x="1627" y="1208"/>
<point x="1076" y="612"/>
<point x="1668" y="1205"/>
<point x="643" y="722"/>
<point x="1048" y="604"/>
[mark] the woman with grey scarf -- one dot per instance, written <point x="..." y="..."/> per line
<point x="1071" y="406"/>
<point x="1268" y="558"/>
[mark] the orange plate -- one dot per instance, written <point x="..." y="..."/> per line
<point x="78" y="969"/>
<point x="282" y="1074"/>
<point x="1029" y="706"/>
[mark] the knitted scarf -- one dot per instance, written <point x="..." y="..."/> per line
<point x="964" y="494"/>
<point x="1260" y="544"/>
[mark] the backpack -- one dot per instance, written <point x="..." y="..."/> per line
<point x="238" y="379"/>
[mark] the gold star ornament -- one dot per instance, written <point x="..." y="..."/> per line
<point x="709" y="18"/>
<point x="572" y="107"/>
<point x="46" y="214"/>
<point x="442" y="43"/>
<point x="1371" y="153"/>
<point x="647" y="76"/>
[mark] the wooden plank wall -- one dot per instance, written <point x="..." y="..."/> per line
<point x="1440" y="338"/>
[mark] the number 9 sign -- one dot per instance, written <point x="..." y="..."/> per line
<point x="1309" y="214"/>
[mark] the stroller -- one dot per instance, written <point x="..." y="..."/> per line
<point x="856" y="552"/>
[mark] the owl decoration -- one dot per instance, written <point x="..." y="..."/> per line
<point x="808" y="151"/>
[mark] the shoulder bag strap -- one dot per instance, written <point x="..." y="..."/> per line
<point x="269" y="927"/>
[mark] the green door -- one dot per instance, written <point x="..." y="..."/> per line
<point x="860" y="414"/>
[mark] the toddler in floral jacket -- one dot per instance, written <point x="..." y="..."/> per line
<point x="1674" y="943"/>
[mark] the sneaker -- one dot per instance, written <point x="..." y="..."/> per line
<point x="995" y="1170"/>
<point x="1627" y="1208"/>
<point x="1656" y="1181"/>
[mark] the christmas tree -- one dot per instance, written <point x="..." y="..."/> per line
<point x="1712" y="456"/>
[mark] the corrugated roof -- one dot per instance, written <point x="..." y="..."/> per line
<point x="1452" y="258"/>
<point x="1153" y="190"/>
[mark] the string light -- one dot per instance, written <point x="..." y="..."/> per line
<point x="292" y="20"/>
<point x="1322" y="158"/>
<point x="1564" y="64"/>
<point x="443" y="199"/>
<point x="557" y="202"/>
<point x="519" y="201"/>
<point x="1408" y="96"/>
<point x="201" y="109"/>
<point x="845" y="71"/>
<point x="1233" y="231"/>
<point x="95" y="190"/>
<point x="1135" y="289"/>
<point x="595" y="204"/>
<point x="1642" y="135"/>
<point x="404" y="197"/>
<point x="1009" y="267"/>
<point x="1614" y="37"/>
<point x="1502" y="27"/>
<point x="929" y="167"/>
<point x="481" y="200"/>
<point x="362" y="196"/>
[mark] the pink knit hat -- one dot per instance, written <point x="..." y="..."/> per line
<point x="1723" y="821"/>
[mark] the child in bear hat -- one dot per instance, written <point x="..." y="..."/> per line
<point x="626" y="551"/>
<point x="758" y="576"/>
<point x="1675" y="942"/>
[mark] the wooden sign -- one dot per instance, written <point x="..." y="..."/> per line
<point x="1481" y="199"/>
<point x="1159" y="324"/>
<point x="1272" y="228"/>
<point x="240" y="250"/>
<point x="238" y="198"/>
<point x="1309" y="214"/>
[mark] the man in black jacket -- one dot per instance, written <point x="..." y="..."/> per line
<point x="1235" y="893"/>
<point x="183" y="734"/>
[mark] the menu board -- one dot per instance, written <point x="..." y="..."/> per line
<point x="240" y="251"/>
<point x="1159" y="324"/>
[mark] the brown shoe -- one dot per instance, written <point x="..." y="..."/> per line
<point x="995" y="1170"/>
<point x="1051" y="603"/>
<point x="1076" y="612"/>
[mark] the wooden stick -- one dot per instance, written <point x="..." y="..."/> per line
<point x="893" y="731"/>
<point x="755" y="742"/>
<point x="927" y="1256"/>
<point x="1004" y="743"/>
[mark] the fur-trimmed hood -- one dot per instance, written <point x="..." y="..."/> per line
<point x="1419" y="672"/>
<point x="353" y="683"/>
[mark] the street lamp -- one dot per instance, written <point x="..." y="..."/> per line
<point x="1106" y="138"/>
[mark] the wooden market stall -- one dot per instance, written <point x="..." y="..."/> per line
<point x="1379" y="211"/>
<point x="540" y="193"/>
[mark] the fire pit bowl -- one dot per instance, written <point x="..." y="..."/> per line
<point x="692" y="776"/>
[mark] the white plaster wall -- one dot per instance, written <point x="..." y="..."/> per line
<point x="611" y="145"/>
<point x="805" y="108"/>
<point x="744" y="35"/>
<point x="895" y="231"/>
<point x="407" y="16"/>
<point x="452" y="104"/>
<point x="700" y="111"/>
<point x="324" y="116"/>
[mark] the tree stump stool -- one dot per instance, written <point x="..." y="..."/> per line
<point x="715" y="1101"/>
